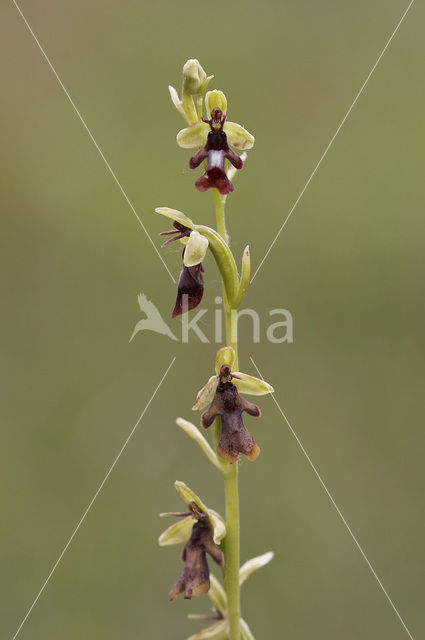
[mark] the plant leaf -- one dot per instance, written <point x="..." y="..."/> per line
<point x="194" y="433"/>
<point x="253" y="565"/>
<point x="218" y="631"/>
<point x="246" y="633"/>
<point x="217" y="595"/>
<point x="245" y="276"/>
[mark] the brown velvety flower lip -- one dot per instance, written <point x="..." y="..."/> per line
<point x="195" y="579"/>
<point x="229" y="405"/>
<point x="215" y="151"/>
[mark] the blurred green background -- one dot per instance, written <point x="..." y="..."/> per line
<point x="349" y="266"/>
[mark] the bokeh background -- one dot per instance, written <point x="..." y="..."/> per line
<point x="349" y="266"/>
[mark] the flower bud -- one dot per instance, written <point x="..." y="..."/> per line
<point x="193" y="77"/>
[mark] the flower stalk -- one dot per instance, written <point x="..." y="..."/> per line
<point x="202" y="529"/>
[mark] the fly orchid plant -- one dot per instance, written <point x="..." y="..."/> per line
<point x="202" y="530"/>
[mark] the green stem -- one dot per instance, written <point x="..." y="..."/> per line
<point x="220" y="203"/>
<point x="232" y="540"/>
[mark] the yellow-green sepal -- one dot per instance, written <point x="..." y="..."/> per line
<point x="217" y="521"/>
<point x="206" y="394"/>
<point x="178" y="533"/>
<point x="193" y="136"/>
<point x="176" y="215"/>
<point x="251" y="385"/>
<point x="237" y="136"/>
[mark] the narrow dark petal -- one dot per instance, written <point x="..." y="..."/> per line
<point x="196" y="160"/>
<point x="233" y="157"/>
<point x="190" y="289"/>
<point x="179" y="231"/>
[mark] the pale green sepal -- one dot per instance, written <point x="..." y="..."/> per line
<point x="196" y="249"/>
<point x="225" y="355"/>
<point x="176" y="215"/>
<point x="215" y="100"/>
<point x="245" y="276"/>
<point x="218" y="631"/>
<point x="178" y="532"/>
<point x="217" y="521"/>
<point x="253" y="565"/>
<point x="206" y="394"/>
<point x="232" y="171"/>
<point x="189" y="496"/>
<point x="246" y="633"/>
<point x="177" y="102"/>
<point x="217" y="594"/>
<point x="237" y="136"/>
<point x="251" y="385"/>
<point x="218" y="525"/>
<point x="193" y="136"/>
<point x="194" y="433"/>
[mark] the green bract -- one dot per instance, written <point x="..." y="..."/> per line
<point x="253" y="565"/>
<point x="217" y="631"/>
<point x="194" y="433"/>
